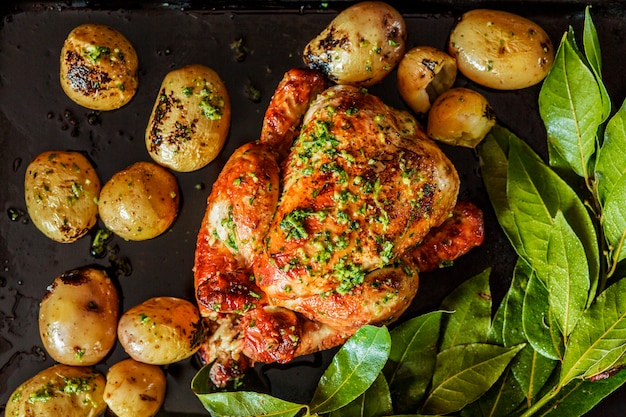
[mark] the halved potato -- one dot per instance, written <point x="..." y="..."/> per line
<point x="61" y="190"/>
<point x="98" y="67"/>
<point x="190" y="119"/>
<point x="61" y="390"/>
<point x="78" y="317"/>
<point x="361" y="46"/>
<point x="140" y="202"/>
<point x="501" y="50"/>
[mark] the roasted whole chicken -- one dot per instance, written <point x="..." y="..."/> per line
<point x="323" y="225"/>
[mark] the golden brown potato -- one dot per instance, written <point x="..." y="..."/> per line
<point x="360" y="46"/>
<point x="190" y="119"/>
<point x="161" y="330"/>
<point x="460" y="117"/>
<point x="78" y="317"/>
<point x="423" y="74"/>
<point x="61" y="191"/>
<point x="134" y="389"/>
<point x="139" y="202"/>
<point x="500" y="50"/>
<point x="61" y="390"/>
<point x="98" y="67"/>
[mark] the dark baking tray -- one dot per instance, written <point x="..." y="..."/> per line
<point x="36" y="116"/>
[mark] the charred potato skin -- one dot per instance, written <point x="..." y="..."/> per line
<point x="140" y="202"/>
<point x="60" y="390"/>
<point x="134" y="389"/>
<point x="460" y="117"/>
<point x="190" y="119"/>
<point x="98" y="67"/>
<point x="78" y="317"/>
<point x="360" y="46"/>
<point x="500" y="50"/>
<point x="161" y="330"/>
<point x="61" y="189"/>
<point x="423" y="74"/>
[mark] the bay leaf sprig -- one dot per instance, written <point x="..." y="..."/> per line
<point x="570" y="239"/>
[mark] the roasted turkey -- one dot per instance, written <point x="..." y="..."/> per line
<point x="323" y="225"/>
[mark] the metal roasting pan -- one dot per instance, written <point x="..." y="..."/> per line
<point x="36" y="116"/>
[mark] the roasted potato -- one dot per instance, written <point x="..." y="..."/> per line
<point x="134" y="389"/>
<point x="139" y="202"/>
<point x="78" y="317"/>
<point x="423" y="74"/>
<point x="61" y="390"/>
<point x="98" y="67"/>
<point x="360" y="46"/>
<point x="190" y="119"/>
<point x="61" y="189"/>
<point x="161" y="330"/>
<point x="460" y="117"/>
<point x="500" y="50"/>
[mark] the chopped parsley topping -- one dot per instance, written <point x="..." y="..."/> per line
<point x="93" y="53"/>
<point x="211" y="104"/>
<point x="293" y="224"/>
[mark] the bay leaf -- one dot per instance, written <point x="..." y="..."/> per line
<point x="513" y="303"/>
<point x="248" y="404"/>
<point x="412" y="360"/>
<point x="496" y="329"/>
<point x="470" y="320"/>
<point x="614" y="220"/>
<point x="593" y="53"/>
<point x="465" y="372"/>
<point x="503" y="154"/>
<point x="568" y="275"/>
<point x="503" y="398"/>
<point x="493" y="159"/>
<point x="530" y="369"/>
<point x="611" y="156"/>
<point x="591" y="43"/>
<point x="353" y="369"/>
<point x="571" y="106"/>
<point x="539" y="327"/>
<point x="374" y="402"/>
<point x="579" y="396"/>
<point x="599" y="340"/>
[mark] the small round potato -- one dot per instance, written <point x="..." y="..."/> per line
<point x="78" y="317"/>
<point x="190" y="119"/>
<point x="360" y="46"/>
<point x="98" y="67"/>
<point x="460" y="117"/>
<point x="134" y="389"/>
<point x="61" y="189"/>
<point x="423" y="74"/>
<point x="500" y="50"/>
<point x="61" y="390"/>
<point x="161" y="330"/>
<point x="139" y="202"/>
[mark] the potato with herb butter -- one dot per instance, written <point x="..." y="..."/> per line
<point x="139" y="202"/>
<point x="98" y="67"/>
<point x="61" y="189"/>
<point x="161" y="330"/>
<point x="78" y="317"/>
<point x="134" y="389"/>
<point x="361" y="46"/>
<point x="61" y="390"/>
<point x="190" y="119"/>
<point x="500" y="50"/>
